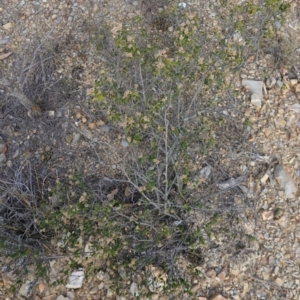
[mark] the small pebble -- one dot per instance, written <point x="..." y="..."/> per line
<point x="92" y="126"/>
<point x="124" y="144"/>
<point x="256" y="101"/>
<point x="7" y="26"/>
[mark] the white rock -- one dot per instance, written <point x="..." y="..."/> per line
<point x="4" y="41"/>
<point x="279" y="281"/>
<point x="264" y="179"/>
<point x="2" y="157"/>
<point x="182" y="5"/>
<point x="101" y="286"/>
<point x="255" y="87"/>
<point x="25" y="288"/>
<point x="76" y="279"/>
<point x="51" y="113"/>
<point x="294" y="82"/>
<point x="134" y="289"/>
<point x="256" y="101"/>
<point x="295" y="107"/>
<point x="70" y="295"/>
<point x="297" y="88"/>
<point x="95" y="8"/>
<point x="177" y="223"/>
<point x="7" y="26"/>
<point x="218" y="297"/>
<point x="205" y="172"/>
<point x="285" y="182"/>
<point x="109" y="293"/>
<point x="59" y="113"/>
<point x="279" y="84"/>
<point x="124" y="143"/>
<point x="76" y="138"/>
<point x="61" y="297"/>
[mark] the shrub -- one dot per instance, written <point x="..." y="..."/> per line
<point x="165" y="88"/>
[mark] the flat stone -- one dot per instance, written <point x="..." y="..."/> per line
<point x="205" y="172"/>
<point x="109" y="293"/>
<point x="76" y="138"/>
<point x="217" y="297"/>
<point x="75" y="279"/>
<point x="51" y="113"/>
<point x="92" y="126"/>
<point x="25" y="288"/>
<point x="61" y="297"/>
<point x="279" y="281"/>
<point x="71" y="295"/>
<point x="256" y="101"/>
<point x="101" y="286"/>
<point x="279" y="84"/>
<point x="124" y="143"/>
<point x="294" y="82"/>
<point x="4" y="41"/>
<point x="2" y="157"/>
<point x="7" y="26"/>
<point x="134" y="289"/>
<point x="264" y="179"/>
<point x="294" y="107"/>
<point x="285" y="182"/>
<point x="182" y="5"/>
<point x="254" y="87"/>
<point x="95" y="8"/>
<point x="297" y="88"/>
<point x="222" y="276"/>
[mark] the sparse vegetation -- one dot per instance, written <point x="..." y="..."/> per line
<point x="164" y="85"/>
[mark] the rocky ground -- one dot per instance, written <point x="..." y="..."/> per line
<point x="48" y="65"/>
